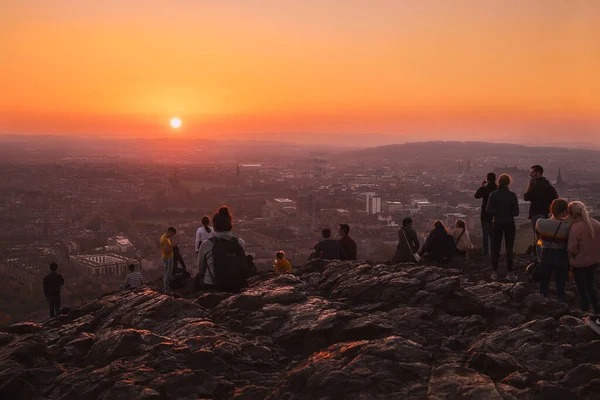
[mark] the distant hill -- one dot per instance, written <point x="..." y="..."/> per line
<point x="443" y="149"/>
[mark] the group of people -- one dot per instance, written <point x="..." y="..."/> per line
<point x="566" y="239"/>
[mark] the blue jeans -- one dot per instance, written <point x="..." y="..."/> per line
<point x="168" y="263"/>
<point x="554" y="262"/>
<point x="584" y="279"/>
<point x="486" y="228"/>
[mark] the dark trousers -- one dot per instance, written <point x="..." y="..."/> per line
<point x="508" y="231"/>
<point x="54" y="305"/>
<point x="534" y="219"/>
<point x="584" y="279"/>
<point x="554" y="262"/>
<point x="486" y="228"/>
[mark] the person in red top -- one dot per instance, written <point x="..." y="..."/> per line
<point x="347" y="243"/>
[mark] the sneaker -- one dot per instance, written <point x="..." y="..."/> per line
<point x="512" y="277"/>
<point x="593" y="323"/>
<point x="494" y="276"/>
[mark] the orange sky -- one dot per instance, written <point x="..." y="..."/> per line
<point x="124" y="67"/>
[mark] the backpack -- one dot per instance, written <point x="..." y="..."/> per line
<point x="179" y="280"/>
<point x="229" y="264"/>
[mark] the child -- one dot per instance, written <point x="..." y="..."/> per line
<point x="281" y="264"/>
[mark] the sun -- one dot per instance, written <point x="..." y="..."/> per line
<point x="175" y="122"/>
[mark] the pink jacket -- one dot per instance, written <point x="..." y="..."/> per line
<point x="584" y="250"/>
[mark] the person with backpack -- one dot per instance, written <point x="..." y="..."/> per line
<point x="52" y="285"/>
<point x="541" y="194"/>
<point x="221" y="259"/>
<point x="554" y="258"/>
<point x="488" y="186"/>
<point x="408" y="242"/>
<point x="282" y="265"/>
<point x="439" y="244"/>
<point x="503" y="206"/>
<point x="462" y="239"/>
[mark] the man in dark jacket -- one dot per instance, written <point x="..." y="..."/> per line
<point x="408" y="242"/>
<point x="328" y="248"/>
<point x="541" y="194"/>
<point x="52" y="284"/>
<point x="487" y="187"/>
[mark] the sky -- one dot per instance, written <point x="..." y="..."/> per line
<point x="429" y="69"/>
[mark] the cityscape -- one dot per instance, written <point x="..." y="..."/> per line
<point x="96" y="215"/>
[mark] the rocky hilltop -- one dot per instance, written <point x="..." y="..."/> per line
<point x="338" y="330"/>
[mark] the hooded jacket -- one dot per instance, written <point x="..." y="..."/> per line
<point x="541" y="194"/>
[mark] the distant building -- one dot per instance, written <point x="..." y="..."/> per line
<point x="306" y="203"/>
<point x="103" y="264"/>
<point x="391" y="207"/>
<point x="279" y="207"/>
<point x="372" y="203"/>
<point x="119" y="244"/>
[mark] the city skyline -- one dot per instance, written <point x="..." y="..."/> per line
<point x="427" y="71"/>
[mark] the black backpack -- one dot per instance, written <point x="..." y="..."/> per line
<point x="229" y="262"/>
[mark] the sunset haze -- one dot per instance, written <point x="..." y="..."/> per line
<point x="424" y="70"/>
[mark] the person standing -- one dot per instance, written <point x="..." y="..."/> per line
<point x="584" y="249"/>
<point x="554" y="259"/>
<point x="487" y="187"/>
<point x="348" y="244"/>
<point x="203" y="233"/>
<point x="541" y="194"/>
<point x="52" y="285"/>
<point x="166" y="248"/>
<point x="503" y="206"/>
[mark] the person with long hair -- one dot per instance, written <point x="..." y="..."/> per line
<point x="584" y="249"/>
<point x="503" y="207"/>
<point x="203" y="233"/>
<point x="554" y="234"/>
<point x="462" y="238"/>
<point x="439" y="244"/>
<point x="487" y="187"/>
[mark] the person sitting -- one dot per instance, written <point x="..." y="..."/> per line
<point x="348" y="244"/>
<point x="222" y="259"/>
<point x="439" y="244"/>
<point x="328" y="248"/>
<point x="408" y="242"/>
<point x="282" y="265"/>
<point x="134" y="279"/>
<point x="462" y="239"/>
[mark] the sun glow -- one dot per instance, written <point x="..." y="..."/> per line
<point x="175" y="122"/>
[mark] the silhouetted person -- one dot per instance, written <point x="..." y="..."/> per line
<point x="460" y="233"/>
<point x="439" y="244"/>
<point x="487" y="187"/>
<point x="52" y="284"/>
<point x="166" y="248"/>
<point x="584" y="249"/>
<point x="328" y="248"/>
<point x="554" y="233"/>
<point x="408" y="242"/>
<point x="134" y="279"/>
<point x="503" y="206"/>
<point x="541" y="194"/>
<point x="282" y="265"/>
<point x="348" y="244"/>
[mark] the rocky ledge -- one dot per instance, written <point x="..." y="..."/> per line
<point x="339" y="330"/>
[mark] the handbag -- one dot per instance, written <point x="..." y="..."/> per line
<point x="535" y="270"/>
<point x="415" y="255"/>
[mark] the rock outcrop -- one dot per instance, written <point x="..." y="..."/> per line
<point x="331" y="330"/>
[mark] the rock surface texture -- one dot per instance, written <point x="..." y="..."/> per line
<point x="331" y="330"/>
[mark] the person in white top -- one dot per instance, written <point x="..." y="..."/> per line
<point x="203" y="233"/>
<point x="462" y="238"/>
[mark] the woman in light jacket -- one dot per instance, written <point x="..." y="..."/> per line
<point x="584" y="249"/>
